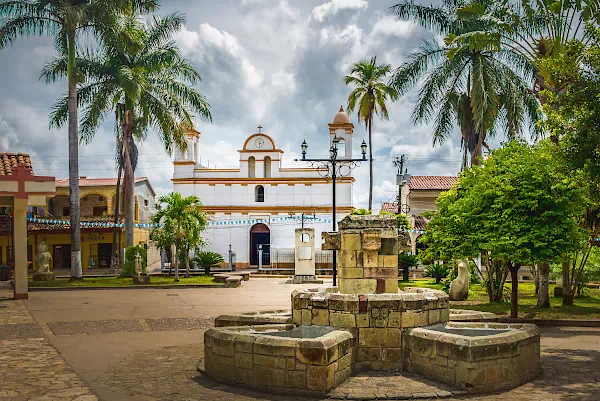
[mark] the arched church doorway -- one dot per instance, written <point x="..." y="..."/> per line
<point x="260" y="235"/>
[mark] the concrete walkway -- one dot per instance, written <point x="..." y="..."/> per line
<point x="145" y="344"/>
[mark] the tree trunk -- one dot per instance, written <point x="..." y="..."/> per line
<point x="175" y="259"/>
<point x="543" y="297"/>
<point x="74" y="212"/>
<point x="370" y="124"/>
<point x="514" y="297"/>
<point x="116" y="218"/>
<point x="536" y="278"/>
<point x="567" y="282"/>
<point x="477" y="155"/>
<point x="187" y="263"/>
<point x="128" y="177"/>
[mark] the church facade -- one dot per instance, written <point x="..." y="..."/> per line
<point x="260" y="203"/>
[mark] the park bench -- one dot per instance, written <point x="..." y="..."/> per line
<point x="233" y="281"/>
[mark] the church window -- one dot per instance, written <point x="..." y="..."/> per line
<point x="259" y="194"/>
<point x="251" y="167"/>
<point x="267" y="167"/>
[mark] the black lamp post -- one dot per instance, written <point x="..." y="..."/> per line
<point x="333" y="168"/>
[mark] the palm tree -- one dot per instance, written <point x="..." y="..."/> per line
<point x="183" y="218"/>
<point x="369" y="99"/>
<point x="474" y="90"/>
<point x="140" y="75"/>
<point x="538" y="31"/>
<point x="64" y="20"/>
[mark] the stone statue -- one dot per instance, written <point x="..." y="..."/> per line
<point x="459" y="287"/>
<point x="141" y="277"/>
<point x="138" y="264"/>
<point x="43" y="259"/>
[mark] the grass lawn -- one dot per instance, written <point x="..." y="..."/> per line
<point x="585" y="307"/>
<point x="120" y="282"/>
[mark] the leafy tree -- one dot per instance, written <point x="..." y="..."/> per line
<point x="164" y="238"/>
<point x="480" y="90"/>
<point x="519" y="207"/>
<point x="369" y="98"/>
<point x="573" y="115"/>
<point x="183" y="217"/>
<point x="437" y="271"/>
<point x="140" y="75"/>
<point x="208" y="259"/>
<point x="65" y="21"/>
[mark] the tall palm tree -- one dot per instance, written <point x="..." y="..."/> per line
<point x="183" y="219"/>
<point x="537" y="31"/>
<point x="474" y="90"/>
<point x="64" y="20"/>
<point x="480" y="89"/>
<point x="140" y="75"/>
<point x="369" y="98"/>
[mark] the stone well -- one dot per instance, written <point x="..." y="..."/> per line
<point x="368" y="324"/>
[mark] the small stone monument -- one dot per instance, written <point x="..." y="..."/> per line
<point x="558" y="290"/>
<point x="43" y="259"/>
<point x="304" y="261"/>
<point x="141" y="277"/>
<point x="459" y="287"/>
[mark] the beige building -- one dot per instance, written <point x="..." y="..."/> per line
<point x="418" y="196"/>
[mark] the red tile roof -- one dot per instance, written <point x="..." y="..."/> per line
<point x="420" y="222"/>
<point x="431" y="182"/>
<point x="391" y="207"/>
<point x="95" y="182"/>
<point x="9" y="161"/>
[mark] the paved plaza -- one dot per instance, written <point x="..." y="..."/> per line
<point x="118" y="345"/>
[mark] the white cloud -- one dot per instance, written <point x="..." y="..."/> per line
<point x="332" y="7"/>
<point x="392" y="26"/>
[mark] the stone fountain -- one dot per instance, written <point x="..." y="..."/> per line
<point x="367" y="324"/>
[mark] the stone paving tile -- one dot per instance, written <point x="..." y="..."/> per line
<point x="183" y="323"/>
<point x="20" y="330"/>
<point x="170" y="374"/>
<point x="94" y="327"/>
<point x="13" y="312"/>
<point x="382" y="385"/>
<point x="33" y="370"/>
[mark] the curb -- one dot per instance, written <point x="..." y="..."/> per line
<point x="552" y="322"/>
<point x="129" y="287"/>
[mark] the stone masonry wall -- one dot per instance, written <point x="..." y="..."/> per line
<point x="376" y="320"/>
<point x="476" y="364"/>
<point x="279" y="364"/>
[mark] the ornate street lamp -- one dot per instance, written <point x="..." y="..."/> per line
<point x="331" y="169"/>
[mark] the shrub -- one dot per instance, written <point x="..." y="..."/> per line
<point x="129" y="266"/>
<point x="361" y="212"/>
<point x="208" y="259"/>
<point x="438" y="272"/>
<point x="405" y="262"/>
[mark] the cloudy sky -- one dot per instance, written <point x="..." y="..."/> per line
<point x="278" y="63"/>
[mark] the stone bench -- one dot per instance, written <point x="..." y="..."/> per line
<point x="244" y="275"/>
<point x="233" y="281"/>
<point x="222" y="277"/>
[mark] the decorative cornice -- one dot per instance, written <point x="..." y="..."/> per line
<point x="256" y="180"/>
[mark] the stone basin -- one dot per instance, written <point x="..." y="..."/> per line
<point x="280" y="358"/>
<point x="467" y="315"/>
<point x="477" y="357"/>
<point x="468" y="331"/>
<point x="279" y="316"/>
<point x="301" y="332"/>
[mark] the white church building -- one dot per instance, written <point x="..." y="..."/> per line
<point x="260" y="202"/>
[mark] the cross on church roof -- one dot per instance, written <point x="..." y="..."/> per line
<point x="260" y="129"/>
